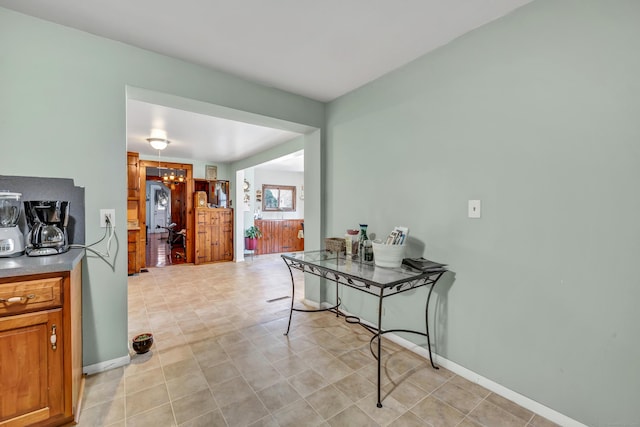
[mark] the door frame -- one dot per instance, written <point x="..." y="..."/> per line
<point x="142" y="212"/>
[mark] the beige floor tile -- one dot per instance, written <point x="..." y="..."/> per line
<point x="405" y="392"/>
<point x="290" y="366"/>
<point x="428" y="378"/>
<point x="103" y="392"/>
<point x="461" y="399"/>
<point x="146" y="399"/>
<point x="210" y="419"/>
<point x="267" y="421"/>
<point x="438" y="413"/>
<point x="352" y="416"/>
<point x="328" y="401"/>
<point x="408" y="419"/>
<point x="187" y="384"/>
<point x="232" y="391"/>
<point x="193" y="405"/>
<point x="181" y="368"/>
<point x="486" y="413"/>
<point x="262" y="377"/>
<point x="391" y="408"/>
<point x="144" y="380"/>
<point x="219" y="373"/>
<point x="467" y="385"/>
<point x="244" y="412"/>
<point x="510" y="407"/>
<point x="160" y="416"/>
<point x="103" y="414"/>
<point x="298" y="414"/>
<point x="355" y="386"/>
<point x="306" y="382"/>
<point x="278" y="395"/>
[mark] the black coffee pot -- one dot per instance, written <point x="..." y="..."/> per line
<point x="47" y="221"/>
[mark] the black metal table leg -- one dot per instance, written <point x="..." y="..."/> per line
<point x="379" y="334"/>
<point x="293" y="293"/>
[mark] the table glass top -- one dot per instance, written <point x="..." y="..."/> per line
<point x="351" y="266"/>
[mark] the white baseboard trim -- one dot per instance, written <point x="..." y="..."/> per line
<point x="468" y="374"/>
<point x="105" y="366"/>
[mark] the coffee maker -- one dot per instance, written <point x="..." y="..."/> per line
<point x="11" y="238"/>
<point x="47" y="227"/>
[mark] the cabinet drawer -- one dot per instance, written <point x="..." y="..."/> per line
<point x="18" y="297"/>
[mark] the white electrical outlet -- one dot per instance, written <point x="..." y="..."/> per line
<point x="107" y="213"/>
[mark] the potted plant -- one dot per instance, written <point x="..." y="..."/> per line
<point x="251" y="236"/>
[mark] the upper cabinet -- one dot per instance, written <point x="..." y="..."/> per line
<point x="133" y="176"/>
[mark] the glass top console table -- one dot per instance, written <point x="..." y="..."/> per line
<point x="366" y="277"/>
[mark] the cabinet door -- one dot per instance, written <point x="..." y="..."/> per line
<point x="226" y="236"/>
<point x="31" y="370"/>
<point x="133" y="176"/>
<point x="203" y="237"/>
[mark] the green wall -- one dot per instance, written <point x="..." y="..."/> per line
<point x="538" y="115"/>
<point x="62" y="114"/>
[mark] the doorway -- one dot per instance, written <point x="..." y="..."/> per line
<point x="166" y="219"/>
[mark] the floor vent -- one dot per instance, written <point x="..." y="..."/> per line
<point x="277" y="299"/>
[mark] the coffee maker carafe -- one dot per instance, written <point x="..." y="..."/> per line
<point x="47" y="227"/>
<point x="11" y="238"/>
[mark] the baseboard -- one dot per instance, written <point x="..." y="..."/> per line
<point x="106" y="365"/>
<point x="468" y="374"/>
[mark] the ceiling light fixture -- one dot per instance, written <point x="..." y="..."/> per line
<point x="158" y="139"/>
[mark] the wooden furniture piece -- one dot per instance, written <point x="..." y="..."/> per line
<point x="213" y="235"/>
<point x="40" y="348"/>
<point x="279" y="235"/>
<point x="133" y="242"/>
<point x="133" y="176"/>
<point x="135" y="255"/>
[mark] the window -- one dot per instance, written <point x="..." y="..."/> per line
<point x="278" y="197"/>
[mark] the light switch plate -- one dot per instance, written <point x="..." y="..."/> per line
<point x="474" y="208"/>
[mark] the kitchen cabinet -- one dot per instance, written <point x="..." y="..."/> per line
<point x="133" y="241"/>
<point x="40" y="348"/>
<point x="133" y="175"/>
<point x="135" y="257"/>
<point x="214" y="235"/>
<point x="279" y="235"/>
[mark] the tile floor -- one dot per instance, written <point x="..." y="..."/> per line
<point x="220" y="359"/>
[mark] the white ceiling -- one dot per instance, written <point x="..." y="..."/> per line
<point x="318" y="49"/>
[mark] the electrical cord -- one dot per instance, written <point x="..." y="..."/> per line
<point x="109" y="230"/>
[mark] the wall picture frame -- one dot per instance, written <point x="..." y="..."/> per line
<point x="210" y="172"/>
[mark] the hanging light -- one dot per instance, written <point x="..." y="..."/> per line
<point x="172" y="175"/>
<point x="158" y="139"/>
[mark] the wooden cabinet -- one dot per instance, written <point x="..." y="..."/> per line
<point x="133" y="175"/>
<point x="134" y="256"/>
<point x="40" y="349"/>
<point x="133" y="241"/>
<point x="214" y="235"/>
<point x="279" y="235"/>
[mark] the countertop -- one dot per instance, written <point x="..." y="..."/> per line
<point x="25" y="265"/>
